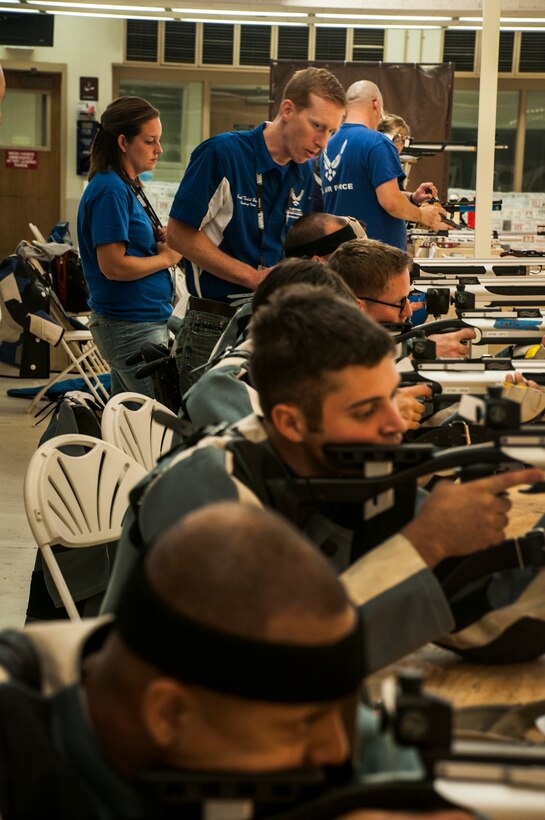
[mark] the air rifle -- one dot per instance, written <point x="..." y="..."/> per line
<point x="472" y="376"/>
<point x="369" y="474"/>
<point x="462" y="207"/>
<point x="479" y="291"/>
<point x="452" y="379"/>
<point x="429" y="148"/>
<point x="451" y="266"/>
<point x="514" y="327"/>
<point x="517" y="327"/>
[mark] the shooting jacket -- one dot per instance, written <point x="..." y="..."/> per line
<point x="401" y="599"/>
<point x="223" y="393"/>
<point x="50" y="762"/>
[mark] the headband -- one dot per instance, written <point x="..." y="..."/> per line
<point x="253" y="669"/>
<point x="327" y="244"/>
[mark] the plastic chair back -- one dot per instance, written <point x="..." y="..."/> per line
<point x="127" y="422"/>
<point x="77" y="500"/>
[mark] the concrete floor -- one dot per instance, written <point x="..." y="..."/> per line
<point x="18" y="440"/>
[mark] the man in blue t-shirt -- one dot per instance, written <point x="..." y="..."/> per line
<point x="239" y="195"/>
<point x="361" y="173"/>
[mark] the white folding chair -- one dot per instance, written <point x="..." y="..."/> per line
<point x="36" y="232"/>
<point x="77" y="500"/>
<point x="134" y="430"/>
<point x="82" y="354"/>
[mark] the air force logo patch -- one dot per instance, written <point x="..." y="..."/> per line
<point x="330" y="166"/>
<point x="296" y="198"/>
<point x="294" y="211"/>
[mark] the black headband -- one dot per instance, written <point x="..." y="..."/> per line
<point x="251" y="669"/>
<point x="325" y="245"/>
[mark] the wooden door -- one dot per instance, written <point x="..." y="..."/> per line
<point x="29" y="156"/>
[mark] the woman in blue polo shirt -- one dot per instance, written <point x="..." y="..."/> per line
<point x="125" y="259"/>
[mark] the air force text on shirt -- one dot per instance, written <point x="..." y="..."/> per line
<point x="339" y="186"/>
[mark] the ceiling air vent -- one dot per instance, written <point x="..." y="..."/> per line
<point x="180" y="42"/>
<point x="330" y="43"/>
<point x="459" y="48"/>
<point x="255" y="45"/>
<point x="217" y="47"/>
<point x="532" y="51"/>
<point x="292" y="42"/>
<point x="505" y="58"/>
<point x="142" y="41"/>
<point x="368" y="45"/>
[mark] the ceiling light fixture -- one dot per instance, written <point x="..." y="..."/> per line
<point x="517" y="20"/>
<point x="103" y="6"/>
<point x="523" y="28"/>
<point x="241" y="13"/>
<point x="238" y="22"/>
<point x="130" y="16"/>
<point x="386" y="25"/>
<point x="413" y="18"/>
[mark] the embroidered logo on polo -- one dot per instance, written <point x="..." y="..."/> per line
<point x="330" y="166"/>
<point x="296" y="198"/>
<point x="294" y="206"/>
<point x="248" y="201"/>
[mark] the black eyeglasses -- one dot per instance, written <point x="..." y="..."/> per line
<point x="399" y="305"/>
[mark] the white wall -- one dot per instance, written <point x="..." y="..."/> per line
<point x="87" y="48"/>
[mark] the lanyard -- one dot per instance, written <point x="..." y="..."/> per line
<point x="261" y="216"/>
<point x="260" y="219"/>
<point x="138" y="191"/>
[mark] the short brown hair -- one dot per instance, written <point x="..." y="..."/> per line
<point x="301" y="338"/>
<point x="300" y="271"/>
<point x="317" y="81"/>
<point x="367" y="265"/>
<point x="224" y="582"/>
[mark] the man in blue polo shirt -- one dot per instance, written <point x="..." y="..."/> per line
<point x="361" y="174"/>
<point x="239" y="195"/>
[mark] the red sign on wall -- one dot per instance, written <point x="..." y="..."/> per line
<point x="21" y="159"/>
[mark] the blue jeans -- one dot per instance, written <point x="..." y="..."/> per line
<point x="195" y="342"/>
<point x="117" y="340"/>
